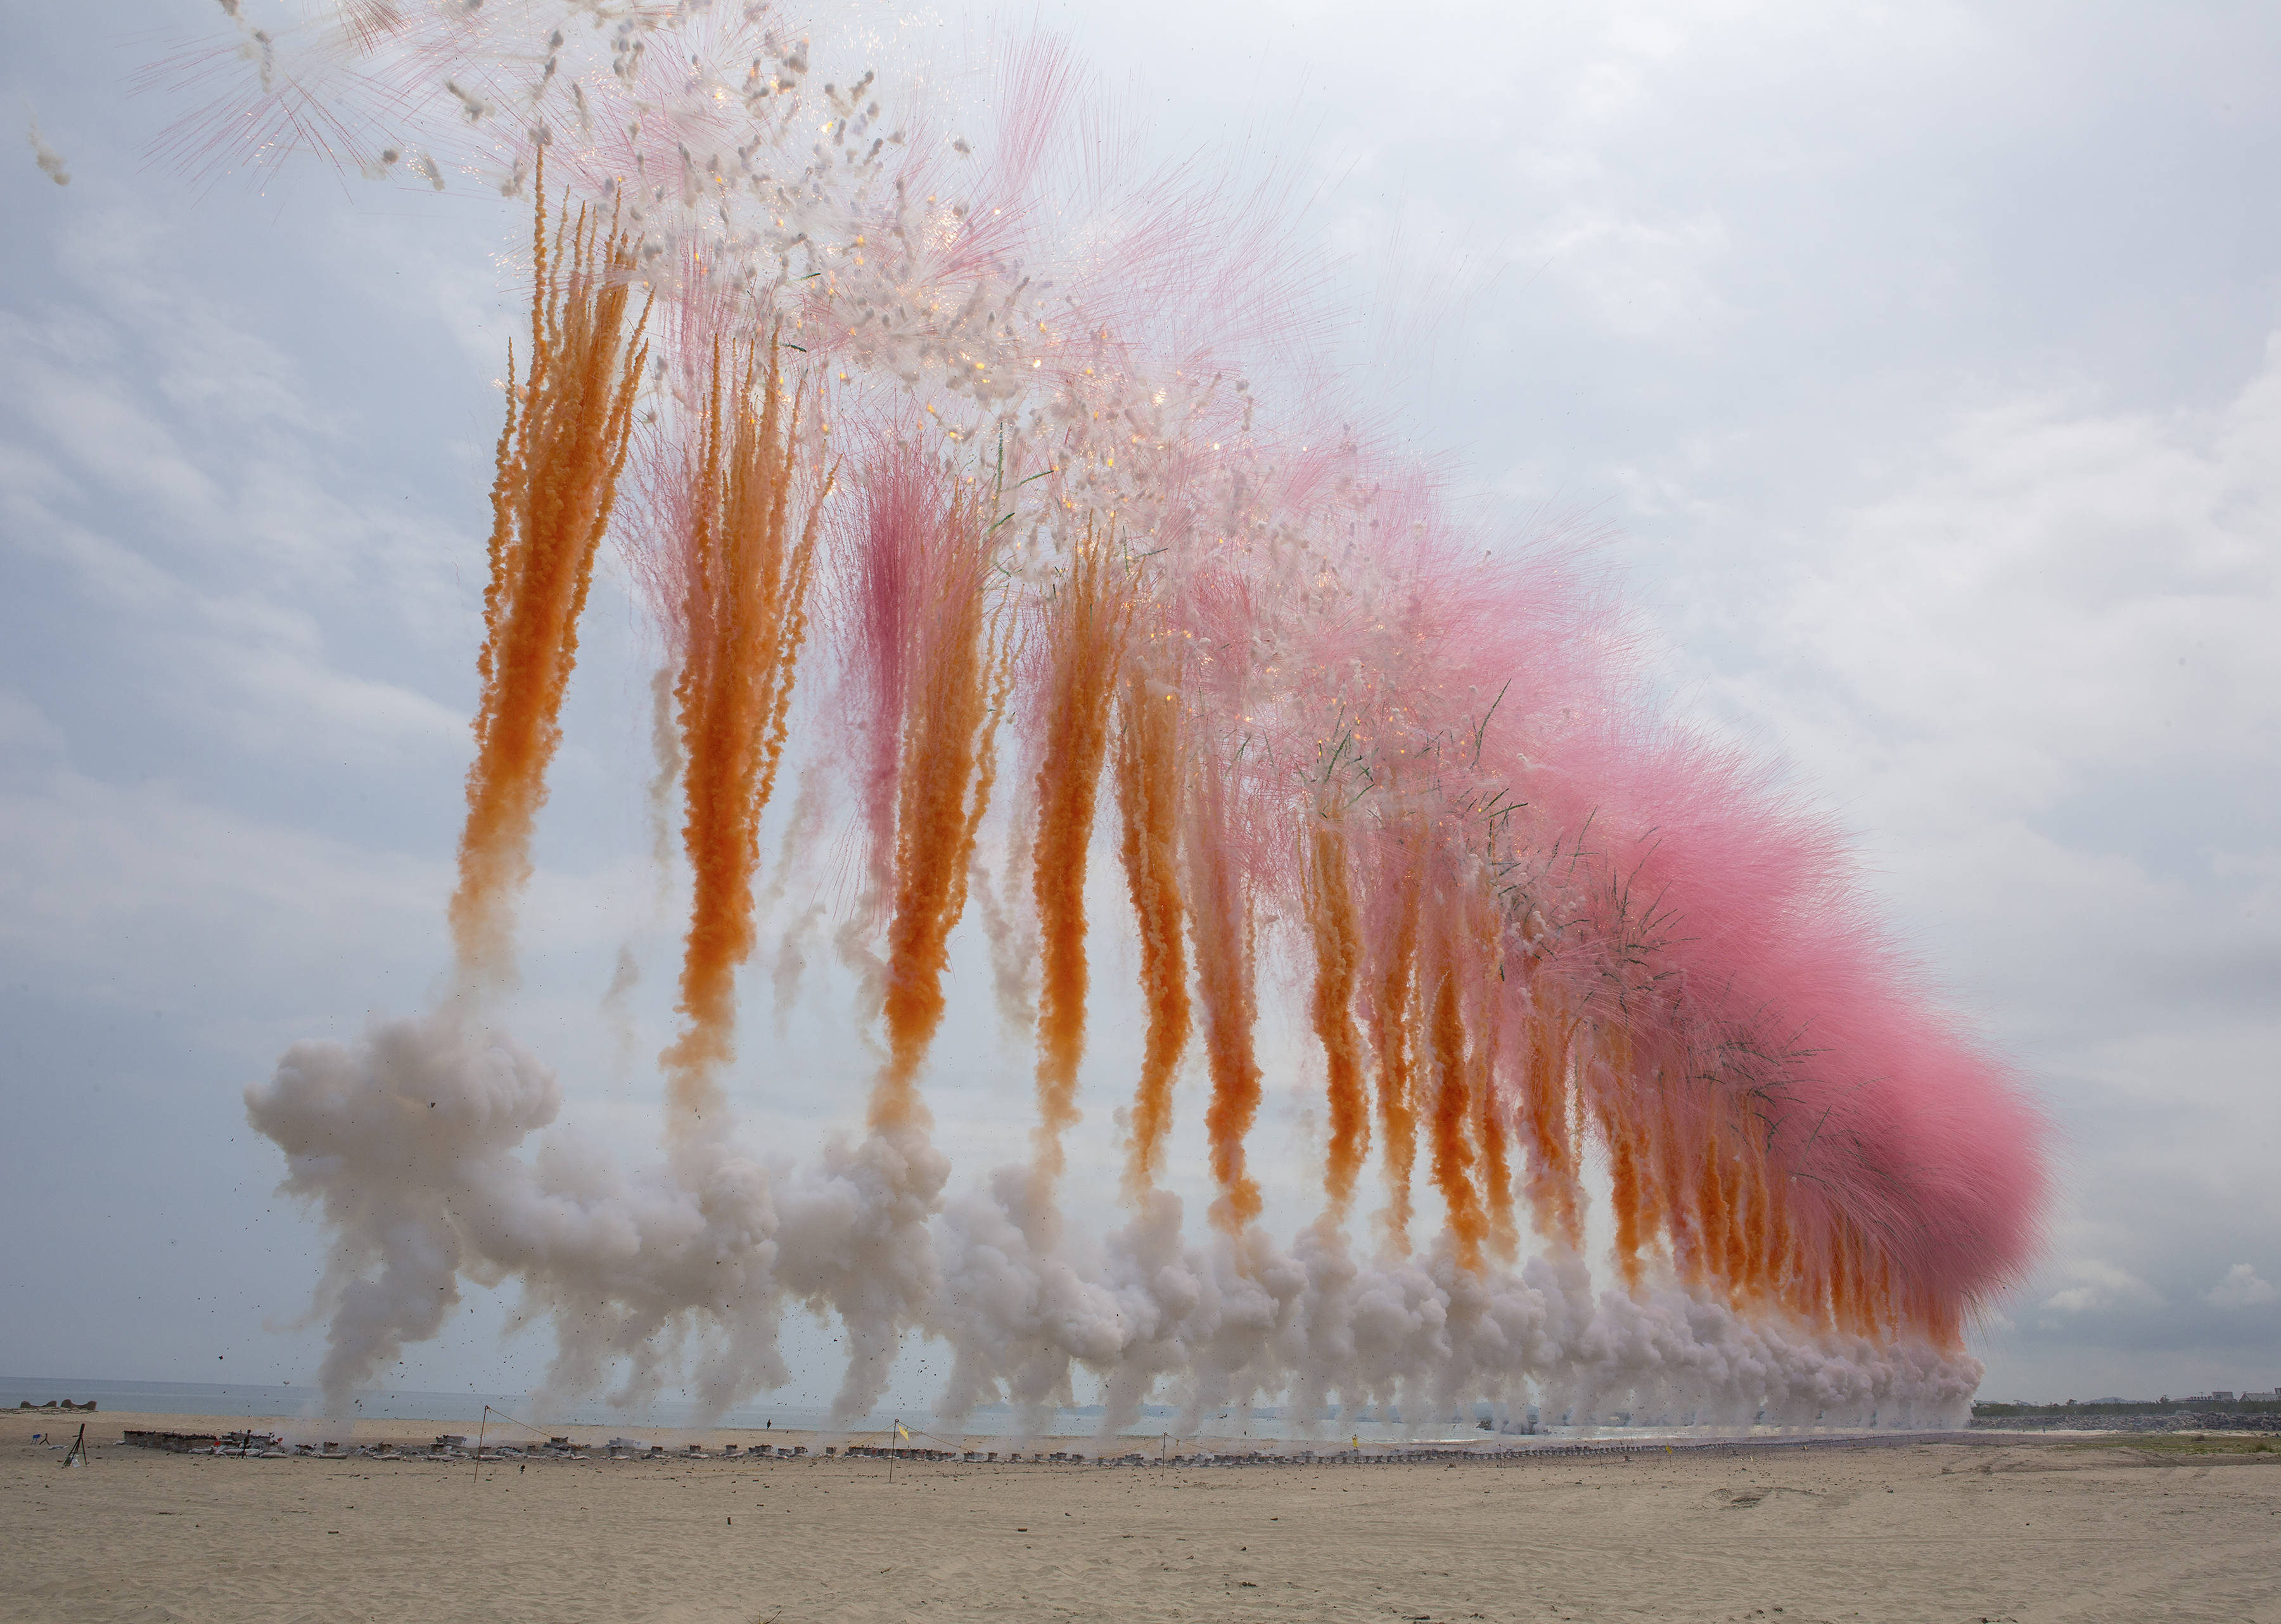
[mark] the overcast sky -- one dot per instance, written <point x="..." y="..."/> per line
<point x="1923" y="364"/>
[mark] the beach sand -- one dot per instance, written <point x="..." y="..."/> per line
<point x="2023" y="1530"/>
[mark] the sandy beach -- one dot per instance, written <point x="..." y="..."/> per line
<point x="2026" y="1530"/>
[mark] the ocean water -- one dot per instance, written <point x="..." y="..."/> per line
<point x="223" y="1400"/>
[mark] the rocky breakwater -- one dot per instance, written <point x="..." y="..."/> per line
<point x="2178" y="1420"/>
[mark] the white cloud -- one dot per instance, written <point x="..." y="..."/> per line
<point x="2242" y="1288"/>
<point x="177" y="471"/>
<point x="106" y="888"/>
<point x="2099" y="1286"/>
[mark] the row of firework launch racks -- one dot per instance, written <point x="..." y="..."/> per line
<point x="457" y="1447"/>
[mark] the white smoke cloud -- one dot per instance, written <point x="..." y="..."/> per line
<point x="417" y="1145"/>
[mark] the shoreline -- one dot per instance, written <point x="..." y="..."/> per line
<point x="409" y="1439"/>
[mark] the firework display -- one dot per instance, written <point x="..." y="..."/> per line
<point x="993" y="451"/>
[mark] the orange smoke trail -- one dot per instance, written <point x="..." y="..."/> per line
<point x="1489" y="1119"/>
<point x="1841" y="1309"/>
<point x="1750" y="1204"/>
<point x="1705" y="1216"/>
<point x="1863" y="1284"/>
<point x="1660" y="1209"/>
<point x="1626" y="1197"/>
<point x="1713" y="1213"/>
<point x="997" y="659"/>
<point x="1085" y="625"/>
<point x="1337" y="935"/>
<point x="1665" y="1154"/>
<point x="1781" y="1273"/>
<point x="559" y="454"/>
<point x="1553" y="1192"/>
<point x="1734" y="1265"/>
<point x="1147" y="804"/>
<point x="1219" y="918"/>
<point x="1390" y="1036"/>
<point x="956" y="690"/>
<point x="1810" y="1256"/>
<point x="744" y="618"/>
<point x="1452" y="1150"/>
<point x="1880" y="1265"/>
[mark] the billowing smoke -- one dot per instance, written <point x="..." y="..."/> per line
<point x="680" y="1274"/>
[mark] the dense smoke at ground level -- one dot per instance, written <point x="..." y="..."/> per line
<point x="423" y="1144"/>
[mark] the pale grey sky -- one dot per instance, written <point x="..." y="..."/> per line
<point x="1922" y="361"/>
